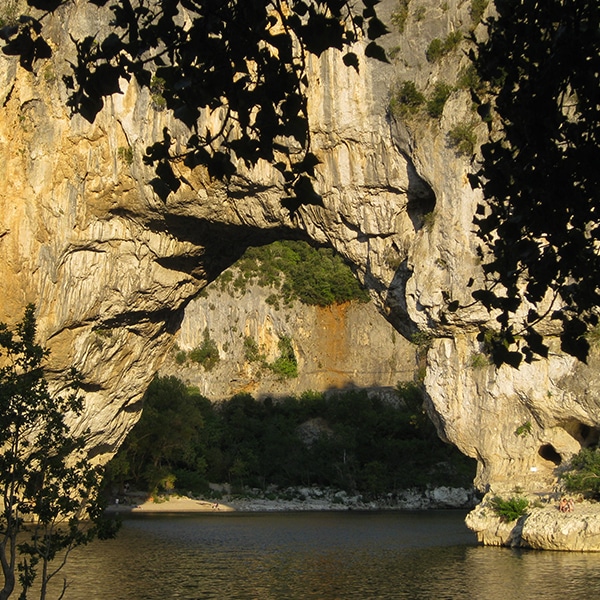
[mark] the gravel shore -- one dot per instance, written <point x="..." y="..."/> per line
<point x="308" y="499"/>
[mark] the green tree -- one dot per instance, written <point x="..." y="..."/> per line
<point x="359" y="442"/>
<point x="583" y="474"/>
<point x="539" y="223"/>
<point x="406" y="99"/>
<point x="207" y="354"/>
<point x="314" y="276"/>
<point x="166" y="436"/>
<point x="49" y="488"/>
<point x="286" y="364"/>
<point x="435" y="105"/>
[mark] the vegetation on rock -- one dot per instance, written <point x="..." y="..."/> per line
<point x="207" y="354"/>
<point x="435" y="105"/>
<point x="286" y="365"/>
<point x="400" y="15"/>
<point x="313" y="276"/>
<point x="439" y="48"/>
<point x="510" y="510"/>
<point x="463" y="138"/>
<point x="477" y="9"/>
<point x="583" y="475"/>
<point x="406" y="99"/>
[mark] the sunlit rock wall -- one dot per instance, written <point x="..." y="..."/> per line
<point x="111" y="266"/>
<point x="333" y="345"/>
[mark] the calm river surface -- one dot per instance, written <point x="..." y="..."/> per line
<point x="329" y="556"/>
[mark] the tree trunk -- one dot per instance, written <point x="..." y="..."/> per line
<point x="8" y="570"/>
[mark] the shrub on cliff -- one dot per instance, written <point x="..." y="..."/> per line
<point x="286" y="365"/>
<point x="207" y="353"/>
<point x="510" y="510"/>
<point x="406" y="99"/>
<point x="583" y="475"/>
<point x="314" y="276"/>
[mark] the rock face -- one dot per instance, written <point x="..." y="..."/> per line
<point x="541" y="528"/>
<point x="333" y="346"/>
<point x="111" y="267"/>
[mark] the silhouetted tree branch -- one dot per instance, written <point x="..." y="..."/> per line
<point x="540" y="175"/>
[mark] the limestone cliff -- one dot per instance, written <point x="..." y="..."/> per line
<point x="333" y="345"/>
<point x="111" y="266"/>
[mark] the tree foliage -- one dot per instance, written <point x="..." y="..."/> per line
<point x="350" y="441"/>
<point x="240" y="63"/>
<point x="207" y="353"/>
<point x="286" y="364"/>
<point x="313" y="276"/>
<point x="48" y="486"/>
<point x="583" y="475"/>
<point x="510" y="510"/>
<point x="166" y="435"/>
<point x="539" y="222"/>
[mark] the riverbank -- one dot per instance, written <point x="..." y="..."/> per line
<point x="542" y="527"/>
<point x="300" y="499"/>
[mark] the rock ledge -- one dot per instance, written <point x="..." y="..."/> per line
<point x="543" y="528"/>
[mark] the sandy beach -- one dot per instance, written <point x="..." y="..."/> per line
<point x="182" y="504"/>
<point x="171" y="504"/>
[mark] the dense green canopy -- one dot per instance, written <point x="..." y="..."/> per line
<point x="354" y="441"/>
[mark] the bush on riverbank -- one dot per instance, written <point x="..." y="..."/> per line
<point x="583" y="476"/>
<point x="350" y="441"/>
<point x="510" y="510"/>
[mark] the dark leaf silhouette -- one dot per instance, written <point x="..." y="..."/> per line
<point x="351" y="60"/>
<point x="24" y="41"/>
<point x="48" y="5"/>
<point x="540" y="67"/>
<point x="373" y="50"/>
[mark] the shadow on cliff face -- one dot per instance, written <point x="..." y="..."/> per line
<point x="421" y="202"/>
<point x="242" y="64"/>
<point x="421" y="197"/>
<point x="218" y="245"/>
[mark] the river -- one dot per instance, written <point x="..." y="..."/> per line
<point x="327" y="556"/>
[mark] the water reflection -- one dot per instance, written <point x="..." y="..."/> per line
<point x="326" y="556"/>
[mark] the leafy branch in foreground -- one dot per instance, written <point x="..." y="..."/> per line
<point x="539" y="226"/>
<point x="48" y="486"/>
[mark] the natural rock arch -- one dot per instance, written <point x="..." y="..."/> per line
<point x="111" y="265"/>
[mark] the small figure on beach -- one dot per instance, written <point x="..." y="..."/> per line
<point x="215" y="506"/>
